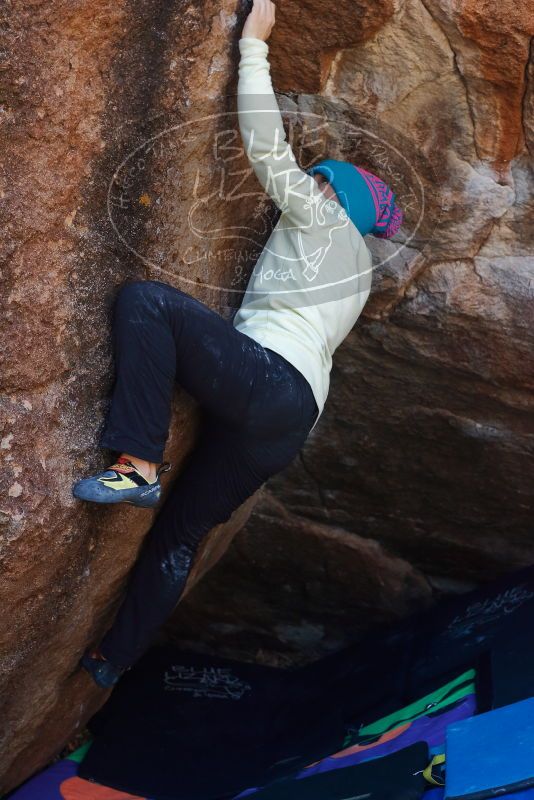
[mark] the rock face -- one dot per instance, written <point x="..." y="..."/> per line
<point x="85" y="87"/>
<point x="418" y="478"/>
<point x="121" y="151"/>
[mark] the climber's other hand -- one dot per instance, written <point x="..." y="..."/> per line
<point x="260" y="20"/>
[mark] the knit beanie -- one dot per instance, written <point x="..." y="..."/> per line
<point x="368" y="201"/>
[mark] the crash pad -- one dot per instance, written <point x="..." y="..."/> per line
<point x="491" y="754"/>
<point x="512" y="662"/>
<point x="60" y="781"/>
<point x="282" y="721"/>
<point x="394" y="777"/>
<point x="229" y="725"/>
<point x="459" y="629"/>
<point x="438" y="700"/>
<point x="430" y="729"/>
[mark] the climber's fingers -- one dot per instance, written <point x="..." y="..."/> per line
<point x="260" y="20"/>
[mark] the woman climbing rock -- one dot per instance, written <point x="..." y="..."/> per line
<point x="262" y="379"/>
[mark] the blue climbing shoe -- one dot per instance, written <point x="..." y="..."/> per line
<point x="103" y="672"/>
<point x="121" y="483"/>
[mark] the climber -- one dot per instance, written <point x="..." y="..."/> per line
<point x="260" y="380"/>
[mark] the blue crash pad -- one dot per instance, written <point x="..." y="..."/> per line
<point x="490" y="754"/>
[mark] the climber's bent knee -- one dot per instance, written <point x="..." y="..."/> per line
<point x="151" y="294"/>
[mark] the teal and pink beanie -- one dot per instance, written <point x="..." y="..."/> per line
<point x="368" y="201"/>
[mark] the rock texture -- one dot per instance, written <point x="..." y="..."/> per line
<point x="119" y="164"/>
<point x="418" y="478"/>
<point x="85" y="85"/>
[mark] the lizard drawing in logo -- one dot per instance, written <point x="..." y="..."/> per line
<point x="321" y="241"/>
<point x="324" y="209"/>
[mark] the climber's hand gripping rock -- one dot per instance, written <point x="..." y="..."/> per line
<point x="260" y="20"/>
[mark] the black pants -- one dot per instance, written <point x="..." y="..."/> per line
<point x="258" y="410"/>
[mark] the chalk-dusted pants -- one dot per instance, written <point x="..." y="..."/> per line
<point x="258" y="409"/>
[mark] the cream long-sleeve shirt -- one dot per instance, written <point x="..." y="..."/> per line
<point x="314" y="274"/>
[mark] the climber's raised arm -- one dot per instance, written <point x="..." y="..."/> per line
<point x="260" y="123"/>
